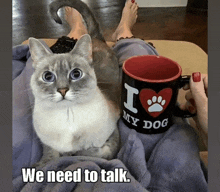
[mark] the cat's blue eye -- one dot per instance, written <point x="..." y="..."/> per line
<point x="76" y="74"/>
<point x="48" y="76"/>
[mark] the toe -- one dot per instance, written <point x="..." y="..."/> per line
<point x="128" y="4"/>
<point x="136" y="8"/>
<point x="67" y="9"/>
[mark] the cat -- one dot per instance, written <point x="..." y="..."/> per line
<point x="77" y="95"/>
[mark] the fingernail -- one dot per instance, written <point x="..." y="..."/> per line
<point x="196" y="77"/>
<point x="132" y="1"/>
<point x="191" y="109"/>
<point x="192" y="101"/>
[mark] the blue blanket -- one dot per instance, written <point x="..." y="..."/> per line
<point x="166" y="162"/>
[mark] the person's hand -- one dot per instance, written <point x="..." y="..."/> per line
<point x="197" y="102"/>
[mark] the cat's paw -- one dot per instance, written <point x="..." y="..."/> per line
<point x="93" y="151"/>
<point x="40" y="164"/>
<point x="104" y="152"/>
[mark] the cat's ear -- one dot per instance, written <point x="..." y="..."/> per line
<point x="37" y="49"/>
<point x="83" y="47"/>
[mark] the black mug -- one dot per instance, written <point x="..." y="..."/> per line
<point x="150" y="86"/>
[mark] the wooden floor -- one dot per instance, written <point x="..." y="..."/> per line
<point x="31" y="19"/>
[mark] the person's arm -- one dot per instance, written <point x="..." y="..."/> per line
<point x="197" y="102"/>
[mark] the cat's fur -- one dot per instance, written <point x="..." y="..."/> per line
<point x="84" y="121"/>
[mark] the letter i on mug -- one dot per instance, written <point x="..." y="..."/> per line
<point x="150" y="86"/>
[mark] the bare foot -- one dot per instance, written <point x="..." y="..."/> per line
<point x="128" y="19"/>
<point x="75" y="21"/>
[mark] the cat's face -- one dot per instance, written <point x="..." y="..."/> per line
<point x="63" y="78"/>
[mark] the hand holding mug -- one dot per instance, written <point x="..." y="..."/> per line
<point x="197" y="102"/>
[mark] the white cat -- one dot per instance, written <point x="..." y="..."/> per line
<point x="71" y="114"/>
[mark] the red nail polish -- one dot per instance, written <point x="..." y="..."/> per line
<point x="191" y="109"/>
<point x="192" y="101"/>
<point x="196" y="77"/>
<point x="132" y="1"/>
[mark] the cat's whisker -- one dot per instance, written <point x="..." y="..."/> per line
<point x="68" y="113"/>
<point x="104" y="90"/>
<point x="104" y="82"/>
<point x="80" y="93"/>
<point x="72" y="112"/>
<point x="49" y="97"/>
<point x="30" y="107"/>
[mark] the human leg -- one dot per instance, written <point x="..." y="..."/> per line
<point x="75" y="21"/>
<point x="128" y="19"/>
<point x="77" y="29"/>
<point x="127" y="45"/>
<point x="171" y="158"/>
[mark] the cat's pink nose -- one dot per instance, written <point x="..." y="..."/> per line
<point x="63" y="91"/>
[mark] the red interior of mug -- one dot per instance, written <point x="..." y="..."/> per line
<point x="152" y="68"/>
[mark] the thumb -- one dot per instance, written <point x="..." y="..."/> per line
<point x="198" y="91"/>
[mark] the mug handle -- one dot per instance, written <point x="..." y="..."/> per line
<point x="177" y="111"/>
